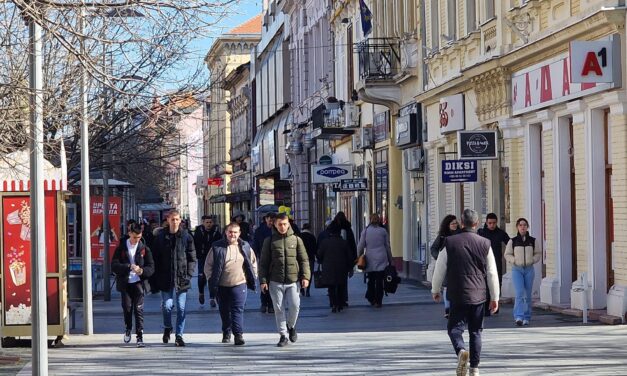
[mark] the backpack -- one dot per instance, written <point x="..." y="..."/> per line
<point x="390" y="279"/>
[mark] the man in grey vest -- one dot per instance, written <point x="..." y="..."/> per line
<point x="468" y="263"/>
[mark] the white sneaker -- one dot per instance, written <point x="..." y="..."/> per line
<point x="462" y="362"/>
<point x="474" y="371"/>
<point x="525" y="322"/>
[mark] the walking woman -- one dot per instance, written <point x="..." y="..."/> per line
<point x="335" y="256"/>
<point x="522" y="252"/>
<point x="375" y="243"/>
<point x="448" y="227"/>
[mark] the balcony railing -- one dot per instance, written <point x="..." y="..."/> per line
<point x="379" y="58"/>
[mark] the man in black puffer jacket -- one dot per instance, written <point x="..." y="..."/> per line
<point x="175" y="263"/>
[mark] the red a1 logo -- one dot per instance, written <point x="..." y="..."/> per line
<point x="593" y="61"/>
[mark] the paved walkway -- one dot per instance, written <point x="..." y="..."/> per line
<point x="405" y="337"/>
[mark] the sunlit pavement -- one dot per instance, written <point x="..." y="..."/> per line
<point x="405" y="337"/>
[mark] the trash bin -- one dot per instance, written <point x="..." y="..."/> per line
<point x="75" y="285"/>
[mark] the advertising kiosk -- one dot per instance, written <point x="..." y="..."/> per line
<point x="15" y="247"/>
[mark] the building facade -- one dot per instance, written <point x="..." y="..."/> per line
<point x="227" y="53"/>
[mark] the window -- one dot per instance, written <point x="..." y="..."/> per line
<point x="489" y="9"/>
<point x="471" y="16"/>
<point x="451" y="13"/>
<point x="435" y="26"/>
<point x="381" y="184"/>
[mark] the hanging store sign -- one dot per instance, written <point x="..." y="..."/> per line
<point x="408" y="126"/>
<point x="351" y="185"/>
<point x="330" y="173"/>
<point x="595" y="61"/>
<point x="459" y="171"/>
<point x="477" y="145"/>
<point x="451" y="113"/>
<point x="215" y="182"/>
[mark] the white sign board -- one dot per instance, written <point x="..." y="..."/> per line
<point x="594" y="61"/>
<point x="331" y="173"/>
<point x="451" y="113"/>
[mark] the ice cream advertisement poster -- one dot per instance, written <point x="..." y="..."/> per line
<point x="97" y="233"/>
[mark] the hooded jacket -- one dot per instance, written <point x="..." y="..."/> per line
<point x="283" y="259"/>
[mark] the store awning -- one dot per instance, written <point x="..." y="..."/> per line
<point x="239" y="197"/>
<point x="217" y="199"/>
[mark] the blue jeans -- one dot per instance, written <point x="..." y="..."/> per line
<point x="167" y="303"/>
<point x="231" y="301"/>
<point x="522" y="278"/>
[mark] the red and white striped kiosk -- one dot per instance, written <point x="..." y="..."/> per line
<point x="15" y="247"/>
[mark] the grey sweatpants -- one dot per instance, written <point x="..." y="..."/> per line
<point x="279" y="293"/>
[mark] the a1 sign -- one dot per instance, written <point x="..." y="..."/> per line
<point x="595" y="61"/>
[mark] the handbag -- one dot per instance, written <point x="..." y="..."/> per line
<point x="318" y="278"/>
<point x="361" y="262"/>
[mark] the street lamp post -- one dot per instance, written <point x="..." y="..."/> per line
<point x="37" y="217"/>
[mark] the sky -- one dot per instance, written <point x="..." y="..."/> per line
<point x="245" y="10"/>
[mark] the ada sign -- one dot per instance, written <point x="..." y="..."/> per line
<point x="476" y="144"/>
<point x="595" y="61"/>
<point x="330" y="173"/>
<point x="459" y="171"/>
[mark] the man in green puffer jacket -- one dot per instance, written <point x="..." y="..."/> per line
<point x="283" y="264"/>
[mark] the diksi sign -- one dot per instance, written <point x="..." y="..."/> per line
<point x="459" y="171"/>
<point x="330" y="173"/>
<point x="595" y="61"/>
<point x="549" y="83"/>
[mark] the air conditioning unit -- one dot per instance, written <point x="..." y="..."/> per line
<point x="351" y="114"/>
<point x="413" y="159"/>
<point x="285" y="172"/>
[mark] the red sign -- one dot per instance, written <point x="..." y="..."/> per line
<point x="214" y="181"/>
<point x="17" y="259"/>
<point x="97" y="234"/>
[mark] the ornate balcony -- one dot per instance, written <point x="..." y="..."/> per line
<point x="379" y="68"/>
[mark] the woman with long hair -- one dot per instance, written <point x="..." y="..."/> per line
<point x="375" y="243"/>
<point x="449" y="226"/>
<point x="523" y="251"/>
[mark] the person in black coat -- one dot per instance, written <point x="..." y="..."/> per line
<point x="244" y="227"/>
<point x="204" y="236"/>
<point x="497" y="237"/>
<point x="334" y="253"/>
<point x="175" y="264"/>
<point x="264" y="231"/>
<point x="312" y="246"/>
<point x="132" y="264"/>
<point x="346" y="232"/>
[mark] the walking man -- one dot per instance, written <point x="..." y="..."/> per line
<point x="497" y="237"/>
<point x="284" y="270"/>
<point x="468" y="263"/>
<point x="175" y="263"/>
<point x="204" y="236"/>
<point x="132" y="264"/>
<point x="231" y="269"/>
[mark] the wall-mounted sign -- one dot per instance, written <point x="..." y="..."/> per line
<point x="548" y="83"/>
<point x="451" y="113"/>
<point x="351" y="185"/>
<point x="459" y="171"/>
<point x="266" y="191"/>
<point x="214" y="182"/>
<point x="330" y="173"/>
<point x="408" y="126"/>
<point x="595" y="61"/>
<point x="477" y="145"/>
<point x="325" y="160"/>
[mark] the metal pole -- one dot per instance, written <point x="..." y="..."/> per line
<point x="37" y="215"/>
<point x="106" y="230"/>
<point x="88" y="327"/>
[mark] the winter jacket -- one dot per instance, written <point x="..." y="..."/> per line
<point x="375" y="242"/>
<point x="261" y="233"/>
<point x="175" y="261"/>
<point x="283" y="259"/>
<point x="121" y="264"/>
<point x="523" y="253"/>
<point x="497" y="238"/>
<point x="219" y="255"/>
<point x="311" y="245"/>
<point x="335" y="255"/>
<point x="203" y="239"/>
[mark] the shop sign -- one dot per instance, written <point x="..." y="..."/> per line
<point x="477" y="145"/>
<point x="408" y="126"/>
<point x="595" y="61"/>
<point x="330" y="173"/>
<point x="548" y="83"/>
<point x="451" y="112"/>
<point x="216" y="182"/>
<point x="266" y="191"/>
<point x="459" y="171"/>
<point x="325" y="160"/>
<point x="351" y="185"/>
